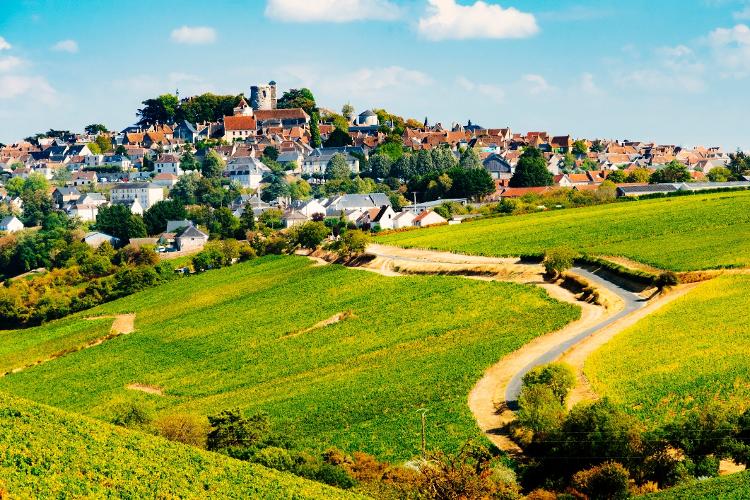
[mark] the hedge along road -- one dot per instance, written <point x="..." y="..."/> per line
<point x="631" y="302"/>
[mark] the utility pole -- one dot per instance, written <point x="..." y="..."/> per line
<point x="423" y="411"/>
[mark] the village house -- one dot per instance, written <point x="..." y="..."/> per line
<point x="404" y="219"/>
<point x="95" y="239"/>
<point x="144" y="193"/>
<point x="82" y="178"/>
<point x="191" y="238"/>
<point x="498" y="167"/>
<point x="165" y="180"/>
<point x="11" y="224"/>
<point x="347" y="202"/>
<point x="428" y="218"/>
<point x="168" y="164"/>
<point x="63" y="195"/>
<point x="248" y="171"/>
<point x="317" y="161"/>
<point x="293" y="218"/>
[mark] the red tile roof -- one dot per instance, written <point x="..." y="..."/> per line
<point x="240" y="123"/>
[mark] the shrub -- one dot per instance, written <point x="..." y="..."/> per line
<point x="275" y="458"/>
<point x="129" y="414"/>
<point x="558" y="260"/>
<point x="229" y="429"/>
<point x="559" y="377"/>
<point x="308" y="235"/>
<point x="352" y="242"/>
<point x="607" y="481"/>
<point x="666" y="280"/>
<point x="183" y="428"/>
<point x="540" y="409"/>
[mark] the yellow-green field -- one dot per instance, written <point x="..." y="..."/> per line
<point x="236" y="337"/>
<point x="48" y="453"/>
<point x="692" y="351"/>
<point x="682" y="233"/>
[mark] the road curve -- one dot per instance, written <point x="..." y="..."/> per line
<point x="631" y="303"/>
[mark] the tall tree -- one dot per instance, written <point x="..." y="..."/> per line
<point x="380" y="165"/>
<point x="739" y="165"/>
<point x="298" y="98"/>
<point x="95" y="128"/>
<point x="470" y="159"/>
<point x="337" y="168"/>
<point x="531" y="170"/>
<point x="315" y="139"/>
<point x="159" y="213"/>
<point x="213" y="165"/>
<point x="580" y="148"/>
<point x="162" y="109"/>
<point x="338" y="138"/>
<point x="116" y="220"/>
<point x="347" y="110"/>
<point x="674" y="171"/>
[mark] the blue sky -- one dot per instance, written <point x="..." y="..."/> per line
<point x="671" y="71"/>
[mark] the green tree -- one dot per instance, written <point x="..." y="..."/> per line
<point x="720" y="174"/>
<point x="347" y="110"/>
<point x="559" y="377"/>
<point x="159" y="110"/>
<point x="14" y="186"/>
<point x="212" y="166"/>
<point x="300" y="190"/>
<point x="229" y="429"/>
<point x="353" y="242"/>
<point x="37" y="203"/>
<point x="104" y="143"/>
<point x="159" y="213"/>
<point x="470" y="159"/>
<point x="597" y="146"/>
<point x="739" y="165"/>
<point x="337" y="168"/>
<point x="271" y="218"/>
<point x="277" y="188"/>
<point x="424" y="163"/>
<point x="616" y="176"/>
<point x="298" y="98"/>
<point x="674" y="171"/>
<point x="188" y="161"/>
<point x="380" y="165"/>
<point x="580" y="148"/>
<point x="95" y="128"/>
<point x="539" y="409"/>
<point x="120" y="150"/>
<point x="185" y="189"/>
<point x="309" y="235"/>
<point x="315" y="140"/>
<point x="474" y="183"/>
<point x="271" y="153"/>
<point x="639" y="175"/>
<point x="393" y="149"/>
<point x="558" y="260"/>
<point x="223" y="223"/>
<point x="247" y="219"/>
<point x="531" y="170"/>
<point x="117" y="221"/>
<point x="337" y="139"/>
<point x="608" y="481"/>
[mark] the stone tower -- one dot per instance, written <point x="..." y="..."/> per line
<point x="263" y="96"/>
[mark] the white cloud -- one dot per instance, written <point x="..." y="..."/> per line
<point x="446" y="20"/>
<point x="9" y="63"/>
<point x="4" y="45"/>
<point x="674" y="68"/>
<point x="742" y="15"/>
<point x="334" y="11"/>
<point x="371" y="80"/>
<point x="731" y="48"/>
<point x="492" y="92"/>
<point x="34" y="87"/>
<point x="149" y="85"/>
<point x="70" y="46"/>
<point x="588" y="85"/>
<point x="193" y="35"/>
<point x="536" y="84"/>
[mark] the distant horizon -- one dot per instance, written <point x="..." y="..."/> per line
<point x="589" y="69"/>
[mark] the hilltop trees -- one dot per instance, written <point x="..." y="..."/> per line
<point x="337" y="168"/>
<point x="298" y="98"/>
<point x="213" y="165"/>
<point x="531" y="170"/>
<point x="117" y="221"/>
<point x="470" y="159"/>
<point x="157" y="215"/>
<point x="739" y="165"/>
<point x="674" y="171"/>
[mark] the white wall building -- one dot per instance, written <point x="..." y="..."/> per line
<point x="146" y="193"/>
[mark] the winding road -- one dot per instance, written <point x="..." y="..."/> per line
<point x="631" y="302"/>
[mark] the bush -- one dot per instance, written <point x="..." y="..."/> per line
<point x="540" y="409"/>
<point x="558" y="260"/>
<point x="183" y="428"/>
<point x="352" y="242"/>
<point x="129" y="414"/>
<point x="308" y="235"/>
<point x="559" y="377"/>
<point x="604" y="482"/>
<point x="229" y="429"/>
<point x="666" y="280"/>
<point x="275" y="458"/>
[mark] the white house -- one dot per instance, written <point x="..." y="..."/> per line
<point x="428" y="218"/>
<point x="317" y="161"/>
<point x="382" y="217"/>
<point x="344" y="203"/>
<point x="82" y="178"/>
<point x="11" y="224"/>
<point x="166" y="180"/>
<point x="311" y="207"/>
<point x="404" y="219"/>
<point x="95" y="238"/>
<point x="293" y="218"/>
<point x="191" y="238"/>
<point x="246" y="170"/>
<point x="168" y="164"/>
<point x="146" y="193"/>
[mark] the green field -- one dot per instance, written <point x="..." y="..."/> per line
<point x="48" y="453"/>
<point x="681" y="233"/>
<point x="692" y="351"/>
<point x="735" y="486"/>
<point x="231" y="338"/>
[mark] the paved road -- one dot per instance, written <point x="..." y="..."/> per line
<point x="631" y="301"/>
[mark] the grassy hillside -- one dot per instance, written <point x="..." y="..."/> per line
<point x="692" y="351"/>
<point x="48" y="453"/>
<point x="682" y="234"/>
<point x="235" y="337"/>
<point x="735" y="486"/>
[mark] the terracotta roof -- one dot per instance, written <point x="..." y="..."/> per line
<point x="240" y="123"/>
<point x="280" y="114"/>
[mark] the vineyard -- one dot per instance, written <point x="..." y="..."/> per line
<point x="48" y="453"/>
<point x="730" y="487"/>
<point x="681" y="234"/>
<point x="692" y="352"/>
<point x="335" y="356"/>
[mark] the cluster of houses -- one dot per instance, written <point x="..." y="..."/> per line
<point x="88" y="179"/>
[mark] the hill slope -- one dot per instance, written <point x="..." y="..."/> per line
<point x="246" y="336"/>
<point x="48" y="453"/>
<point x="690" y="353"/>
<point x="732" y="487"/>
<point x="682" y="233"/>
